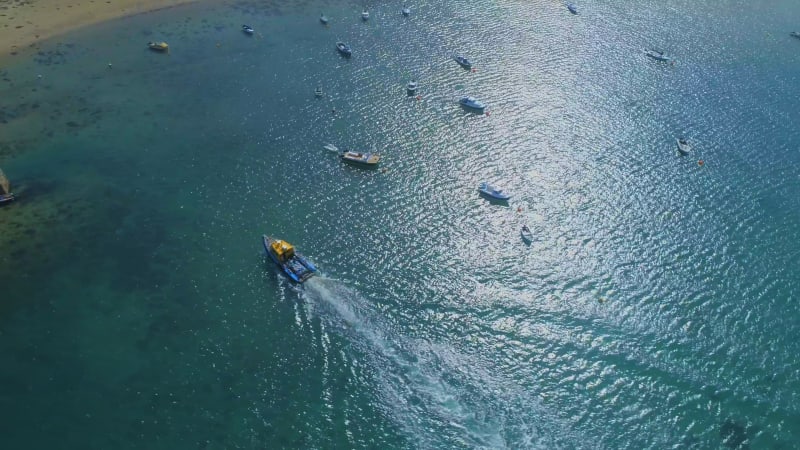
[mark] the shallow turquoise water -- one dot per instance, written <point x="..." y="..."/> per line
<point x="654" y="309"/>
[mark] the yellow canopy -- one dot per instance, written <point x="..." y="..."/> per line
<point x="283" y="249"/>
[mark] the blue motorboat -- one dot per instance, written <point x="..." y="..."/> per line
<point x="344" y="49"/>
<point x="293" y="264"/>
<point x="247" y="29"/>
<point x="472" y="103"/>
<point x="464" y="62"/>
<point x="572" y="8"/>
<point x="657" y="55"/>
<point x="491" y="191"/>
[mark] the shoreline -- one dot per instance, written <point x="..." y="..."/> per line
<point x="25" y="23"/>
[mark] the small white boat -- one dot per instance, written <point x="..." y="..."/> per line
<point x="411" y="87"/>
<point x="405" y="11"/>
<point x="365" y="15"/>
<point x="331" y="148"/>
<point x="318" y="92"/>
<point x="526" y="233"/>
<point x="323" y="19"/>
<point x="247" y="29"/>
<point x="683" y="146"/>
<point x="493" y="192"/>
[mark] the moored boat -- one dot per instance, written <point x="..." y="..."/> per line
<point x="572" y="8"/>
<point x="472" y="103"/>
<point x="526" y="233"/>
<point x="464" y="62"/>
<point x="365" y="15"/>
<point x="297" y="267"/>
<point x="491" y="191"/>
<point x="318" y="92"/>
<point x="344" y="49"/>
<point x="247" y="29"/>
<point x="323" y="19"/>
<point x="411" y="87"/>
<point x="158" y="46"/>
<point x="405" y="11"/>
<point x="795" y="34"/>
<point x="657" y="55"/>
<point x="364" y="159"/>
<point x="683" y="146"/>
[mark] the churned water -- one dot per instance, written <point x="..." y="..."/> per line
<point x="656" y="306"/>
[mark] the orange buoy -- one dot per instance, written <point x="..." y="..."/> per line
<point x="700" y="162"/>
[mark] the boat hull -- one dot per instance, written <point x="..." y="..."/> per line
<point x="683" y="148"/>
<point x="344" y="49"/>
<point x="7" y="198"/>
<point x="493" y="193"/>
<point x="463" y="62"/>
<point x="361" y="159"/>
<point x="297" y="268"/>
<point x="158" y="46"/>
<point x="472" y="105"/>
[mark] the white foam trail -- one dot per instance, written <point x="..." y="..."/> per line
<point x="425" y="387"/>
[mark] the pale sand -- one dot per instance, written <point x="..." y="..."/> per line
<point x="25" y="22"/>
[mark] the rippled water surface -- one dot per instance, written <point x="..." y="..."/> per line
<point x="654" y="308"/>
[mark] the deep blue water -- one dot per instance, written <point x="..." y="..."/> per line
<point x="655" y="308"/>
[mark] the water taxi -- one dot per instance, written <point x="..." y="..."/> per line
<point x="297" y="267"/>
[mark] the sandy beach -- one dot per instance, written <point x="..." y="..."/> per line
<point x="25" y="22"/>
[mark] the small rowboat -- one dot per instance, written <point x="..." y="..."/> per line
<point x="323" y="19"/>
<point x="247" y="29"/>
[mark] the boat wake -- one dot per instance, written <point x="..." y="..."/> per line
<point x="425" y="386"/>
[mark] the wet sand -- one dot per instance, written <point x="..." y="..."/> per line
<point x="25" y="22"/>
